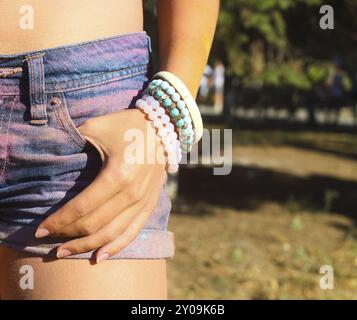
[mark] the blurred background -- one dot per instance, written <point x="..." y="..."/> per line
<point x="288" y="91"/>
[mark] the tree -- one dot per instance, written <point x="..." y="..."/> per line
<point x="279" y="44"/>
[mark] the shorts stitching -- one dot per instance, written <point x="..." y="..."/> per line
<point x="7" y="139"/>
<point x="134" y="69"/>
<point x="43" y="110"/>
<point x="61" y="121"/>
<point x="33" y="104"/>
<point x="76" y="136"/>
<point x="2" y="114"/>
<point x="65" y="124"/>
<point x="91" y="42"/>
<point x="8" y="85"/>
<point x="93" y="84"/>
<point x="77" y="84"/>
<point x="30" y="56"/>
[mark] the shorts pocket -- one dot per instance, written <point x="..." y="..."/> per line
<point x="58" y="103"/>
<point x="73" y="108"/>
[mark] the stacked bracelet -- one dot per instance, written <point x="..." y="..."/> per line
<point x="186" y="96"/>
<point x="165" y="130"/>
<point x="175" y="115"/>
<point x="176" y="108"/>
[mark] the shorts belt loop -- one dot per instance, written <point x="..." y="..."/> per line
<point x="149" y="43"/>
<point x="37" y="94"/>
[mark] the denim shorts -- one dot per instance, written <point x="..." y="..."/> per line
<point x="44" y="160"/>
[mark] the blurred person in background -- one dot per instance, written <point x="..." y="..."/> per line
<point x="218" y="80"/>
<point x="206" y="82"/>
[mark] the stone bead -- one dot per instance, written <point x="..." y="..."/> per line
<point x="140" y="103"/>
<point x="181" y="104"/>
<point x="185" y="112"/>
<point x="151" y="116"/>
<point x="164" y="85"/>
<point x="160" y="111"/>
<point x="165" y="119"/>
<point x="170" y="90"/>
<point x="186" y="131"/>
<point x="150" y="99"/>
<point x="162" y="132"/>
<point x="156" y="104"/>
<point x="180" y="123"/>
<point x="147" y="109"/>
<point x="175" y="97"/>
<point x="167" y="103"/>
<point x="187" y="120"/>
<point x="158" y="94"/>
<point x="166" y="139"/>
<point x="174" y="135"/>
<point x="174" y="112"/>
<point x="170" y="126"/>
<point x="172" y="168"/>
<point x="157" y="123"/>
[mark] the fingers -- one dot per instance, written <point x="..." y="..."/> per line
<point x="103" y="236"/>
<point x="124" y="239"/>
<point x="101" y="216"/>
<point x="117" y="234"/>
<point x="96" y="219"/>
<point x="108" y="182"/>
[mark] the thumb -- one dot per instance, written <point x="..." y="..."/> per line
<point x="84" y="131"/>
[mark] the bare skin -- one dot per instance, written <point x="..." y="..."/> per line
<point x="81" y="279"/>
<point x="65" y="22"/>
<point x="183" y="53"/>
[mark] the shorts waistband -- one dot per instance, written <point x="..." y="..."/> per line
<point x="77" y="65"/>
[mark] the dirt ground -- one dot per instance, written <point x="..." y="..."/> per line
<point x="275" y="248"/>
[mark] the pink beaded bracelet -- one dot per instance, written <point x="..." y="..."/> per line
<point x="164" y="129"/>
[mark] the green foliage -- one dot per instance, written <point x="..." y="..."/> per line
<point x="268" y="42"/>
<point x="317" y="72"/>
<point x="278" y="43"/>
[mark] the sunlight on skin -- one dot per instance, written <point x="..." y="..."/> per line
<point x="74" y="279"/>
<point x="182" y="52"/>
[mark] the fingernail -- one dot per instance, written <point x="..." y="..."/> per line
<point x="40" y="233"/>
<point x="103" y="257"/>
<point x="63" y="253"/>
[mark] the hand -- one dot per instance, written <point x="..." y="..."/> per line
<point x="111" y="211"/>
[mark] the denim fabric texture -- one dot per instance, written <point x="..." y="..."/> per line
<point x="44" y="160"/>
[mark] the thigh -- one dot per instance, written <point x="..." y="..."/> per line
<point x="80" y="279"/>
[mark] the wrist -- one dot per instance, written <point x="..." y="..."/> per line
<point x="190" y="79"/>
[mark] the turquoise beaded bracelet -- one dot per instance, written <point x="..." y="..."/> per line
<point x="179" y="114"/>
<point x="187" y="97"/>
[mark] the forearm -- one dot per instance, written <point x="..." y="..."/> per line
<point x="186" y="30"/>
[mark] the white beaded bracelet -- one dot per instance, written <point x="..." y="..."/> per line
<point x="164" y="129"/>
<point x="175" y="108"/>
